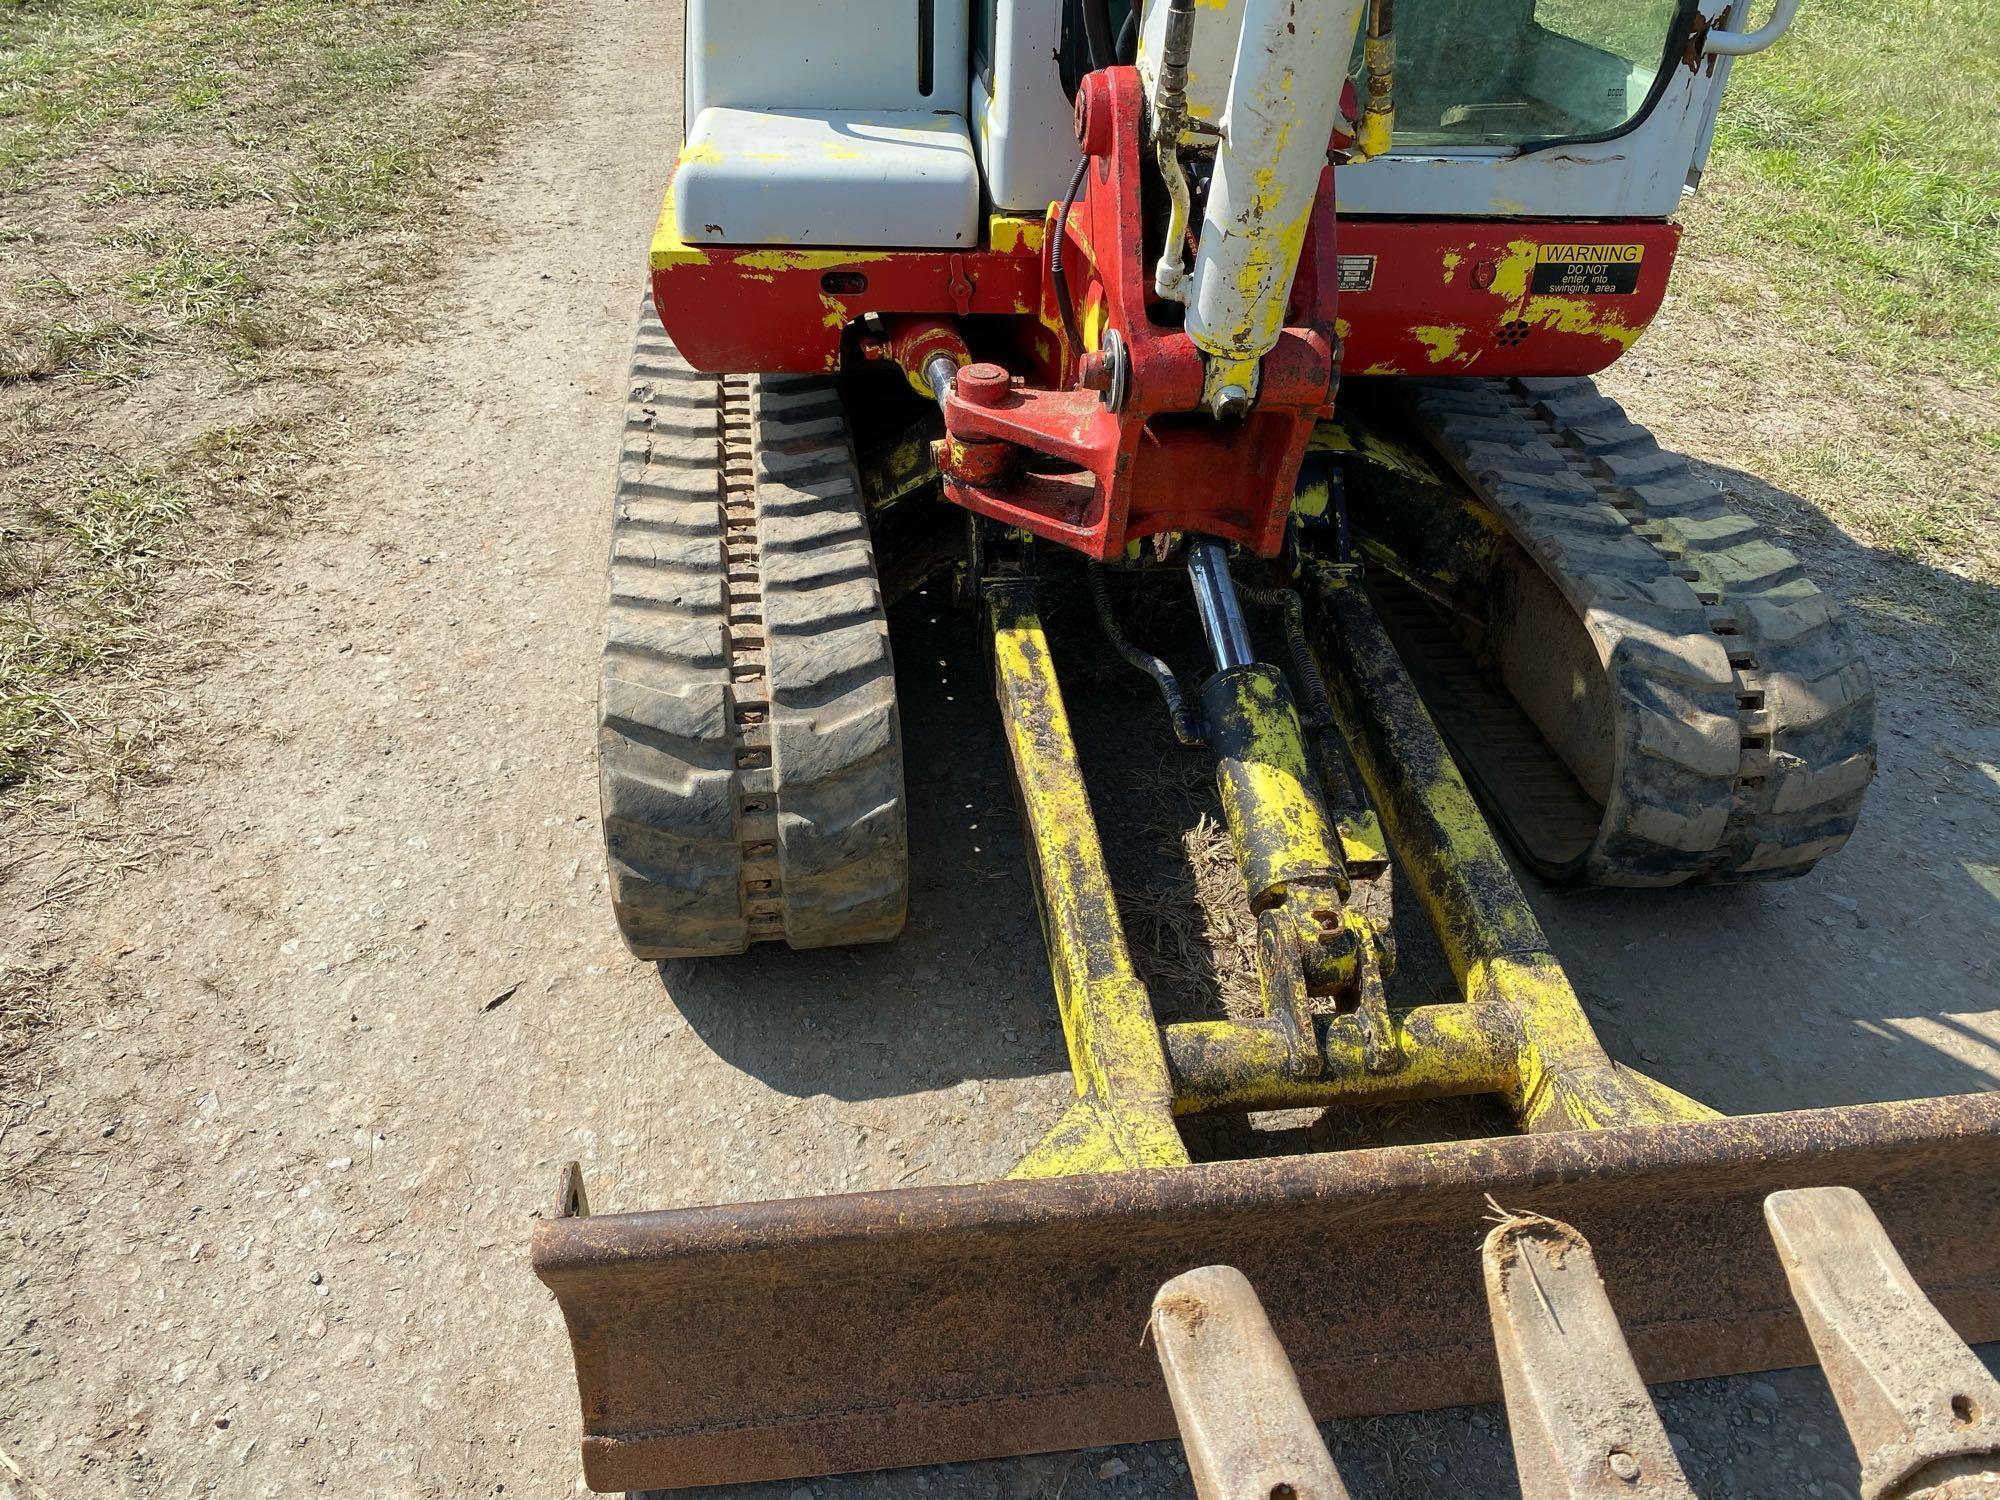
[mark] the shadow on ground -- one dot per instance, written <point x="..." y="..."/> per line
<point x="1871" y="978"/>
<point x="964" y="992"/>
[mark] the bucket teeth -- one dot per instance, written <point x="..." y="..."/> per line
<point x="1243" y="1420"/>
<point x="1922" y="1410"/>
<point x="1582" y="1422"/>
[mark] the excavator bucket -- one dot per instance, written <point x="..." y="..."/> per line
<point x="818" y="1335"/>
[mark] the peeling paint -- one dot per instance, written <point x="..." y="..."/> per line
<point x="804" y="260"/>
<point x="1015" y="234"/>
<point x="1580" y="315"/>
<point x="1444" y="341"/>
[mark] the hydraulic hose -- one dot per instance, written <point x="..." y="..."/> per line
<point x="1097" y="33"/>
<point x="1169" y="121"/>
<point x="1188" y="728"/>
<point x="1058" y="279"/>
<point x="1376" y="130"/>
<point x="1318" y="705"/>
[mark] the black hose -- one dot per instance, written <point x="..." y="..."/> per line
<point x="1128" y="38"/>
<point x="1319" y="707"/>
<point x="1065" y="304"/>
<point x="1097" y="32"/>
<point x="1188" y="728"/>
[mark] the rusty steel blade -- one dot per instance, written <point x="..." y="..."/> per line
<point x="819" y="1335"/>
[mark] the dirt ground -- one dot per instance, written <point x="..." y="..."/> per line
<point x="268" y="1188"/>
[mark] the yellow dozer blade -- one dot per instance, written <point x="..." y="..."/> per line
<point x="817" y="1335"/>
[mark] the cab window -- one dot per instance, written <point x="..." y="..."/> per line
<point x="1516" y="72"/>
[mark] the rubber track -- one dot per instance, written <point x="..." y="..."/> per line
<point x="1745" y="714"/>
<point x="749" y="751"/>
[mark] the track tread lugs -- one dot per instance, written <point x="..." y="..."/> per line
<point x="1701" y="620"/>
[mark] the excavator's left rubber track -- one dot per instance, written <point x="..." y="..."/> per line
<point x="749" y="749"/>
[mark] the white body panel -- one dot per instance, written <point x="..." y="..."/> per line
<point x="873" y="179"/>
<point x="776" y="72"/>
<point x="854" y="54"/>
<point x="820" y="124"/>
<point x="1021" y="121"/>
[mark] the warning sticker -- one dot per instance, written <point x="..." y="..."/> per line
<point x="1587" y="270"/>
<point x="1357" y="272"/>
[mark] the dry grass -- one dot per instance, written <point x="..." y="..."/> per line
<point x="1188" y="919"/>
<point x="1192" y="934"/>
<point x="204" y="205"/>
<point x="84" y="658"/>
<point x="27" y="1003"/>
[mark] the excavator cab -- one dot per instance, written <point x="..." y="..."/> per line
<point x="1292" y="305"/>
<point x="1532" y="73"/>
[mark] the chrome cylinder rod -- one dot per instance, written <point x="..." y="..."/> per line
<point x="1216" y="602"/>
<point x="938" y="374"/>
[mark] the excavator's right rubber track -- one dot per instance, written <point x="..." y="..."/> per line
<point x="1643" y="687"/>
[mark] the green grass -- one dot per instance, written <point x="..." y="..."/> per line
<point x="178" y="71"/>
<point x="1839" y="291"/>
<point x="72" y="600"/>
<point x="189" y="284"/>
<point x="1862" y="156"/>
<point x="1633" y="29"/>
<point x="79" y="654"/>
<point x="95" y="349"/>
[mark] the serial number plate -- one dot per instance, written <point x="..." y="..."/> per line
<point x="1357" y="272"/>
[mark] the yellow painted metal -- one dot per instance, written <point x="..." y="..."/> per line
<point x="1490" y="936"/>
<point x="1125" y="1112"/>
<point x="670" y="250"/>
<point x="1347" y="432"/>
<point x="1363" y="849"/>
<point x="1015" y="234"/>
<point x="1277" y="823"/>
<point x="1007" y="234"/>
<point x="1447" y="1051"/>
<point x="1375" y="131"/>
<point x="1519" y="1033"/>
<point x="1085" y="1140"/>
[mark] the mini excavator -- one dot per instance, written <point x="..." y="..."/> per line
<point x="1293" y="305"/>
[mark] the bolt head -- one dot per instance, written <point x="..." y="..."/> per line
<point x="1231" y="401"/>
<point x="982" y="384"/>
